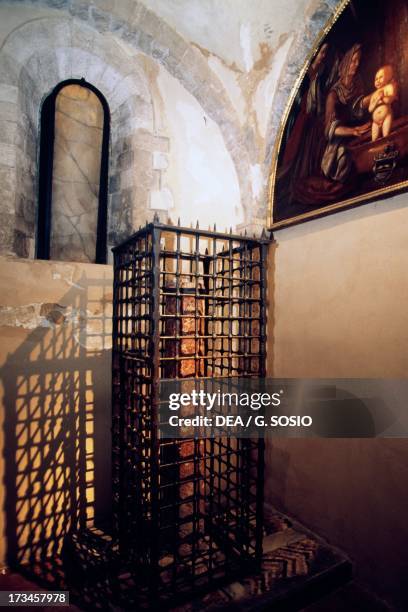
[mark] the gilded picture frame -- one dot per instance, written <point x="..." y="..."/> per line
<point x="304" y="185"/>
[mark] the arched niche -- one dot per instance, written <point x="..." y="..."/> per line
<point x="73" y="174"/>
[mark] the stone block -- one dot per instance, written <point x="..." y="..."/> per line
<point x="159" y="52"/>
<point x="125" y="12"/>
<point x="125" y="160"/>
<point x="26" y="165"/>
<point x="156" y="180"/>
<point x="26" y="210"/>
<point x="8" y="93"/>
<point x="7" y="233"/>
<point x="108" y="6"/>
<point x="162" y="144"/>
<point x="7" y="190"/>
<point x="145" y="42"/>
<point x="101" y="19"/>
<point x="147" y="141"/>
<point x="140" y="205"/>
<point x="141" y="118"/>
<point x="22" y="226"/>
<point x="63" y="59"/>
<point x="123" y="112"/>
<point x="83" y="36"/>
<point x="9" y="70"/>
<point x="128" y="178"/>
<point x="174" y="42"/>
<point x="80" y="9"/>
<point x="120" y="145"/>
<point x="7" y="155"/>
<point x="160" y="161"/>
<point x="94" y="71"/>
<point x="58" y="4"/>
<point x="149" y="22"/>
<point x="131" y="35"/>
<point x="161" y="200"/>
<point x="118" y="26"/>
<point x="8" y="132"/>
<point x="114" y="183"/>
<point x="21" y="246"/>
<point x="111" y="79"/>
<point x="120" y="206"/>
<point x="143" y="166"/>
<point x="81" y="62"/>
<point x="8" y="111"/>
<point x="141" y="108"/>
<point x="26" y="139"/>
<point x="121" y="93"/>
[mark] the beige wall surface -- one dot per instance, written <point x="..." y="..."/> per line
<point x="55" y="339"/>
<point x="338" y="292"/>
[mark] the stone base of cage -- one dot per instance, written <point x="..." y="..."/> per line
<point x="297" y="567"/>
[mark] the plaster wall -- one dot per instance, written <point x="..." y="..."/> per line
<point x="55" y="340"/>
<point x="245" y="25"/>
<point x="337" y="308"/>
<point x="203" y="184"/>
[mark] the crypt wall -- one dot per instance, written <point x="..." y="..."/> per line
<point x="337" y="293"/>
<point x="195" y="107"/>
<point x="182" y="145"/>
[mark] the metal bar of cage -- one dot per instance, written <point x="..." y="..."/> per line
<point x="188" y="303"/>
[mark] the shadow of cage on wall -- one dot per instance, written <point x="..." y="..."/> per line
<point x="56" y="428"/>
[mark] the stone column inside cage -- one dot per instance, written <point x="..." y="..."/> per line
<point x="185" y="359"/>
<point x="185" y="346"/>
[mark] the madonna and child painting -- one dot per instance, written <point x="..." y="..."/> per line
<point x="345" y="140"/>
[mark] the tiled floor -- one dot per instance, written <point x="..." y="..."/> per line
<point x="297" y="567"/>
<point x="350" y="598"/>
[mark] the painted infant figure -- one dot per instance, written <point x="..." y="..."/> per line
<point x="381" y="102"/>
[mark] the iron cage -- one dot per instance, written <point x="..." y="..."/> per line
<point x="188" y="303"/>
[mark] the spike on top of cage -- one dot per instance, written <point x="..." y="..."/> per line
<point x="156" y="218"/>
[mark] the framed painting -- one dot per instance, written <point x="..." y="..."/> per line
<point x="344" y="138"/>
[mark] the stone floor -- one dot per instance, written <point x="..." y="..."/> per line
<point x="349" y="598"/>
<point x="352" y="597"/>
<point x="299" y="572"/>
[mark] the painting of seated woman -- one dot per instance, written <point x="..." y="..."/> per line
<point x="345" y="140"/>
